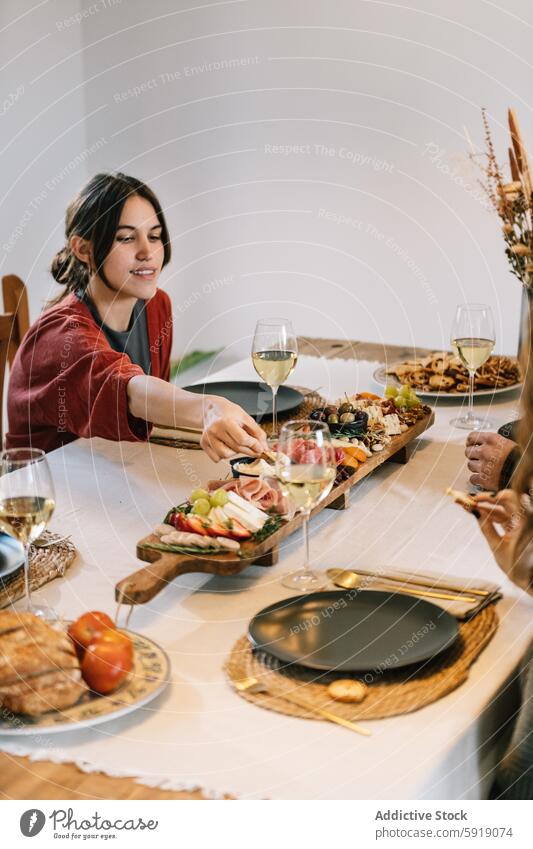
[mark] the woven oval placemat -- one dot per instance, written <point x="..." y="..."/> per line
<point x="311" y="400"/>
<point x="390" y="693"/>
<point x="45" y="565"/>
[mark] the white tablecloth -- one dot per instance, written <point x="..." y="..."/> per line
<point x="200" y="733"/>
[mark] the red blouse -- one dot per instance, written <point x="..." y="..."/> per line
<point x="68" y="382"/>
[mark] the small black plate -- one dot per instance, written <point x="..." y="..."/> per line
<point x="245" y="461"/>
<point x="353" y="631"/>
<point x="254" y="397"/>
<point x="11" y="556"/>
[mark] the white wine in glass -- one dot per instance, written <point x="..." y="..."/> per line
<point x="27" y="502"/>
<point x="274" y="356"/>
<point x="473" y="339"/>
<point x="306" y="469"/>
<point x="473" y="352"/>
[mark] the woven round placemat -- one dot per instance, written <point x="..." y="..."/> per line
<point x="311" y="400"/>
<point x="389" y="693"/>
<point x="45" y="565"/>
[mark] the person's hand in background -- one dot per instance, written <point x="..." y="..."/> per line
<point x="501" y="511"/>
<point x="486" y="454"/>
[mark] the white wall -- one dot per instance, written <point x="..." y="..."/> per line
<point x="43" y="157"/>
<point x="374" y="96"/>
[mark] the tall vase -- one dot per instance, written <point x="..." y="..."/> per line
<point x="524" y="331"/>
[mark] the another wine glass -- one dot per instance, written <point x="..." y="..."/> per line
<point x="274" y="355"/>
<point x="473" y="340"/>
<point x="305" y="465"/>
<point x="27" y="502"/>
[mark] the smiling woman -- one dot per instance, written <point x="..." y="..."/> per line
<point x="97" y="361"/>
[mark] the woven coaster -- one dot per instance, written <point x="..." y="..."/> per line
<point x="45" y="565"/>
<point x="390" y="693"/>
<point x="311" y="400"/>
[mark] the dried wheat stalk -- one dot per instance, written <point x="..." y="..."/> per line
<point x="512" y="200"/>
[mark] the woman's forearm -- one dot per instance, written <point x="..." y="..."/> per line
<point x="157" y="401"/>
<point x="226" y="428"/>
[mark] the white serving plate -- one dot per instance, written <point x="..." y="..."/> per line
<point x="380" y="376"/>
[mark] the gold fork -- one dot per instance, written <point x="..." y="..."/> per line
<point x="254" y="685"/>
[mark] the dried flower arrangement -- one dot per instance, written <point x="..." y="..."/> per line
<point x="512" y="200"/>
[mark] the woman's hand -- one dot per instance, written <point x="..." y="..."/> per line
<point x="229" y="430"/>
<point x="486" y="454"/>
<point x="503" y="510"/>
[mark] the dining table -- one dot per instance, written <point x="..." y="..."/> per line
<point x="199" y="738"/>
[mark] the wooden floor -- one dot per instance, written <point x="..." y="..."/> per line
<point x="21" y="778"/>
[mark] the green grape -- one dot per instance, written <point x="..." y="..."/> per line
<point x="401" y="401"/>
<point x="198" y="493"/>
<point x="405" y="391"/>
<point x="201" y="507"/>
<point x="218" y="498"/>
<point x="391" y="391"/>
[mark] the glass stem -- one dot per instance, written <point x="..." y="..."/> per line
<point x="274" y="411"/>
<point x="471" y="375"/>
<point x="307" y="559"/>
<point x="27" y="591"/>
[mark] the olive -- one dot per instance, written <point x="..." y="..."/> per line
<point x="346" y="408"/>
<point x="347" y="418"/>
<point x="318" y="416"/>
<point x="330" y="411"/>
<point x="333" y="419"/>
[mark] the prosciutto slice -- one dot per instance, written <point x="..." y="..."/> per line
<point x="255" y="490"/>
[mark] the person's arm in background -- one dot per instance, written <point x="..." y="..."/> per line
<point x="227" y="429"/>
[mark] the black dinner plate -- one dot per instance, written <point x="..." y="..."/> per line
<point x="11" y="556"/>
<point x="353" y="632"/>
<point x="254" y="397"/>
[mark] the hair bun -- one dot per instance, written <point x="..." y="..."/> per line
<point x="60" y="264"/>
<point x="67" y="269"/>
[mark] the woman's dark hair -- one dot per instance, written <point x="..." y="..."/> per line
<point x="94" y="214"/>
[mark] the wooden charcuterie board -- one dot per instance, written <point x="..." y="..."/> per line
<point x="147" y="582"/>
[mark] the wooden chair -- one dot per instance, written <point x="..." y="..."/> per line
<point x="14" y="323"/>
<point x="16" y="303"/>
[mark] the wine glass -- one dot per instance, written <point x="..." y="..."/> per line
<point x="274" y="355"/>
<point x="27" y="502"/>
<point x="473" y="340"/>
<point x="305" y="465"/>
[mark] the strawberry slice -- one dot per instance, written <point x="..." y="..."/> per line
<point x="197" y="525"/>
<point x="180" y="521"/>
<point x="238" y="531"/>
<point x="217" y="530"/>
